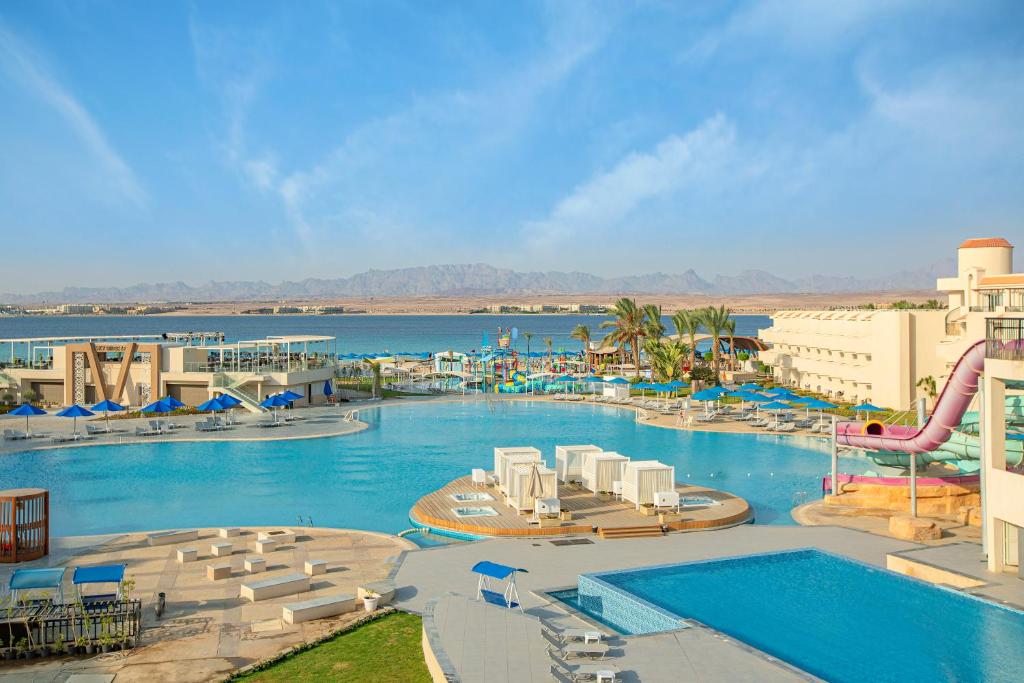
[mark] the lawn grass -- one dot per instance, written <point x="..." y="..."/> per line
<point x="387" y="649"/>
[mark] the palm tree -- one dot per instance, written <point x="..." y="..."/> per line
<point x="688" y="323"/>
<point x="548" y="343"/>
<point x="581" y="332"/>
<point x="927" y="384"/>
<point x="715" y="321"/>
<point x="375" y="369"/>
<point x="666" y="358"/>
<point x="653" y="327"/>
<point x="730" y="329"/>
<point x="628" y="327"/>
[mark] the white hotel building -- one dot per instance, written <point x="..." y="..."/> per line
<point x="881" y="355"/>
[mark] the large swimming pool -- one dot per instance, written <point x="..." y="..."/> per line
<point x="832" y="617"/>
<point x="370" y="480"/>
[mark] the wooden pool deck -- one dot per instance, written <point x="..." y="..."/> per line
<point x="591" y="514"/>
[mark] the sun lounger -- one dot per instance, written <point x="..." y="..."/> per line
<point x="786" y="427"/>
<point x="318" y="608"/>
<point x="94" y="429"/>
<point x="14" y="435"/>
<point x="564" y="650"/>
<point x="601" y="673"/>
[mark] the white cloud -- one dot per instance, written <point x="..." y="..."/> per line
<point x="28" y="69"/>
<point x="606" y="200"/>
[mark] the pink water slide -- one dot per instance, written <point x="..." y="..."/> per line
<point x="949" y="410"/>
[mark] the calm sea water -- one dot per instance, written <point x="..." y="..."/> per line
<point x="355" y="333"/>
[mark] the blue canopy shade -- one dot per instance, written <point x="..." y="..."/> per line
<point x="275" y="401"/>
<point x="33" y="579"/>
<point x="780" y="391"/>
<point x="775" y="405"/>
<point x="644" y="385"/>
<point x="108" y="406"/>
<point x="173" y="402"/>
<point x="677" y="384"/>
<point x="160" y="406"/>
<point x="27" y="409"/>
<point x="618" y="380"/>
<point x="565" y="379"/>
<point x="494" y="570"/>
<point x="107" y="573"/>
<point x="707" y="395"/>
<point x="592" y="379"/>
<point x="751" y="386"/>
<point x="290" y="395"/>
<point x="817" y="403"/>
<point x="328" y="389"/>
<point x="867" y="407"/>
<point x="228" y="401"/>
<point x="214" y="404"/>
<point x="75" y="411"/>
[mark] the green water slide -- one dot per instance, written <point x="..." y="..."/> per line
<point x="963" y="449"/>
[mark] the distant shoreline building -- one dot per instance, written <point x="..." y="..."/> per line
<point x="135" y="370"/>
<point x="881" y="355"/>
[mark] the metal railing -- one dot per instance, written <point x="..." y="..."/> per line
<point x="1004" y="338"/>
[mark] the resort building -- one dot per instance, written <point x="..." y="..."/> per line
<point x="1003" y="487"/>
<point x="136" y="370"/>
<point x="881" y="355"/>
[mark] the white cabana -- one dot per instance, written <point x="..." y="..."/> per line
<point x="569" y="461"/>
<point x="518" y="495"/>
<point x="641" y="479"/>
<point x="504" y="457"/>
<point x="602" y="470"/>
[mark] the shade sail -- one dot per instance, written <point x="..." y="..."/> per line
<point x="107" y="573"/>
<point x="494" y="570"/>
<point x="33" y="579"/>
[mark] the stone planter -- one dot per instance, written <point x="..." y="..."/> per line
<point x="370" y="603"/>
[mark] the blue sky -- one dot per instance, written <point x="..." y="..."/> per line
<point x="246" y="140"/>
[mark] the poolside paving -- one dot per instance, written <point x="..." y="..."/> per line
<point x="694" y="654"/>
<point x="208" y="630"/>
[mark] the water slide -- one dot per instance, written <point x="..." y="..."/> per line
<point x="950" y="436"/>
<point x="949" y="410"/>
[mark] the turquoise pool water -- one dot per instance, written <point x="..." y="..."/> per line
<point x="370" y="480"/>
<point x="832" y="617"/>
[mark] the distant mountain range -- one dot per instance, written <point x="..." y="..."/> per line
<point x="485" y="280"/>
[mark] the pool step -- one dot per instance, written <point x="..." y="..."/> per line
<point x="645" y="531"/>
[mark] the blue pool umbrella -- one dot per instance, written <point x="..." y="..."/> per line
<point x="867" y="408"/>
<point x="707" y="395"/>
<point x="108" y="406"/>
<point x="751" y="386"/>
<point x="677" y="384"/>
<point x="618" y="380"/>
<point x="775" y="405"/>
<point x="592" y="379"/>
<point x="817" y="404"/>
<point x="328" y="389"/>
<point x="213" y="405"/>
<point x="290" y="395"/>
<point x="158" y="407"/>
<point x="274" y="402"/>
<point x="228" y="401"/>
<point x="27" y="409"/>
<point x="173" y="402"/>
<point x="74" y="412"/>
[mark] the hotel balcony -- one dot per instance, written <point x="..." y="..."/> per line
<point x="1004" y="338"/>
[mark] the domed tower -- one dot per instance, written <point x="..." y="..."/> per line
<point x="976" y="259"/>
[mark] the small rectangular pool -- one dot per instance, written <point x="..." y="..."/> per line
<point x="835" y="618"/>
